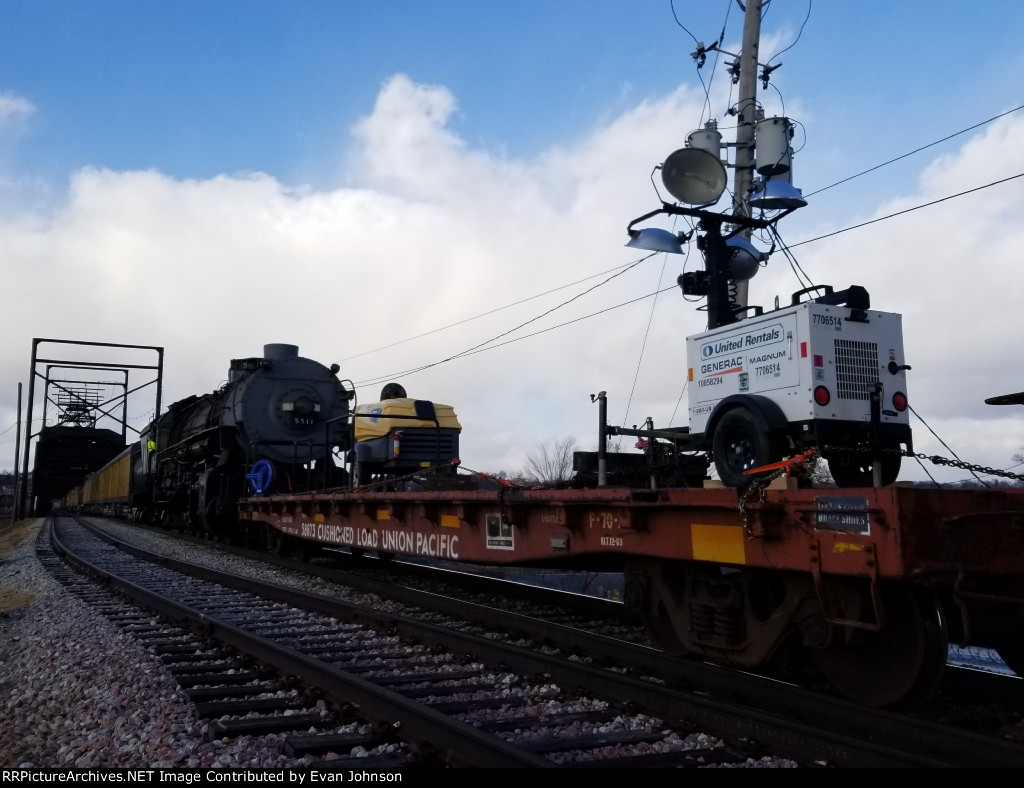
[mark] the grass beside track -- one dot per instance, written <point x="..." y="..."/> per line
<point x="12" y="597"/>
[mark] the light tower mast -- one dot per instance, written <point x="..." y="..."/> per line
<point x="695" y="175"/>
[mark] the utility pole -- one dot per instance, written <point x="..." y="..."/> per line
<point x="696" y="176"/>
<point x="16" y="510"/>
<point x="746" y="116"/>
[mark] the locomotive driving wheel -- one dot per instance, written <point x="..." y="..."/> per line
<point x="901" y="664"/>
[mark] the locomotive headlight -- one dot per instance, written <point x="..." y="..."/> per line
<point x="304" y="406"/>
<point x="300" y="411"/>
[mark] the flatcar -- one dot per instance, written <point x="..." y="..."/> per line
<point x="872" y="583"/>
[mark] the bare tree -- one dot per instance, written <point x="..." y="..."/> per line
<point x="551" y="462"/>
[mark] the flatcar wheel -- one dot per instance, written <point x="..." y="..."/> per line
<point x="663" y="633"/>
<point x="305" y="551"/>
<point x="899" y="666"/>
<point x="273" y="540"/>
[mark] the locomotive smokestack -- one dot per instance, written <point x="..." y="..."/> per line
<point x="280" y="352"/>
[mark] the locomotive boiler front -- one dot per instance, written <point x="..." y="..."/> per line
<point x="286" y="408"/>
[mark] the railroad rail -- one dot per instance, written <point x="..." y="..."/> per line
<point x="752" y="729"/>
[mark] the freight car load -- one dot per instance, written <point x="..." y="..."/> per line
<point x="826" y="374"/>
<point x="277" y="425"/>
<point x="64" y="456"/>
<point x="284" y="411"/>
<point x="400" y="435"/>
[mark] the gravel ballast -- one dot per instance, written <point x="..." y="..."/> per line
<point x="76" y="691"/>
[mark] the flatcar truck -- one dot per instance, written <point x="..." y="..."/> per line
<point x="825" y="374"/>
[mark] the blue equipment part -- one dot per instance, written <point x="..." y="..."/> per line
<point x="261" y="476"/>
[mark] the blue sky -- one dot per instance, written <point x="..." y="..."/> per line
<point x="345" y="176"/>
<point x="199" y="88"/>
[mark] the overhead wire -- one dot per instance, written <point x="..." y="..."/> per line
<point x="489" y="312"/>
<point x="794" y="264"/>
<point x="479" y="349"/>
<point x="701" y="53"/>
<point x="908" y="210"/>
<point x="917" y="150"/>
<point x="483" y="345"/>
<point x="946" y="445"/>
<point x="800" y="32"/>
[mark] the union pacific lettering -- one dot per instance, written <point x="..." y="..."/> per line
<point x="722" y="366"/>
<point x="387" y="539"/>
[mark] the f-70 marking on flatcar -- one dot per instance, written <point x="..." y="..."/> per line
<point x="604" y="520"/>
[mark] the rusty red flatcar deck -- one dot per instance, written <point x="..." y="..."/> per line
<point x="892" y="532"/>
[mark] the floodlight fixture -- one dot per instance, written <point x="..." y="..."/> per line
<point x="657" y="240"/>
<point x="744" y="259"/>
<point x="694" y="176"/>
<point x="776" y="195"/>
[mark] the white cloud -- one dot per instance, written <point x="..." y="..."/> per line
<point x="431" y="231"/>
<point x="14" y="110"/>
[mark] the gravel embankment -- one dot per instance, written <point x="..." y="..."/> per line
<point x="76" y="691"/>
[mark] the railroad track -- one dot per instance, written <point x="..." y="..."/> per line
<point x="782" y="720"/>
<point x="437" y="707"/>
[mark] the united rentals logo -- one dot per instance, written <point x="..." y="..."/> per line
<point x="751" y="340"/>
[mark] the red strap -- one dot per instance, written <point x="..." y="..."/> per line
<point x="798" y="460"/>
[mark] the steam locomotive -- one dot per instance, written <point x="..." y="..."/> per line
<point x="275" y="423"/>
<point x="281" y="424"/>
